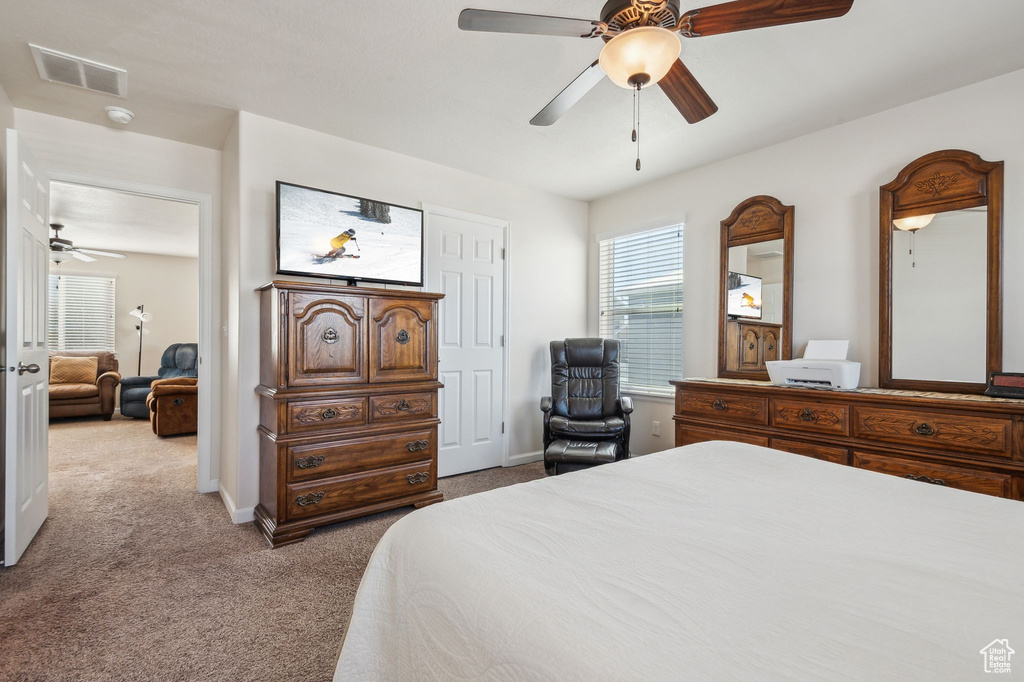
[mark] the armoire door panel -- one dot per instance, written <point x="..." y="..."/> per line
<point x="401" y="334"/>
<point x="326" y="335"/>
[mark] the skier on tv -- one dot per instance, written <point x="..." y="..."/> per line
<point x="338" y="244"/>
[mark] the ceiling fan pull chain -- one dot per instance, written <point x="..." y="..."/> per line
<point x="634" y="116"/>
<point x="636" y="128"/>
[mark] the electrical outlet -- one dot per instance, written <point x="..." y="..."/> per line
<point x="655" y="428"/>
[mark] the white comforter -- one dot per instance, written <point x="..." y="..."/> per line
<point x="716" y="561"/>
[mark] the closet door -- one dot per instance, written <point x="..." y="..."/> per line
<point x="326" y="336"/>
<point x="402" y="340"/>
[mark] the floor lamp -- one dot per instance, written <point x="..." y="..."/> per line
<point x="143" y="317"/>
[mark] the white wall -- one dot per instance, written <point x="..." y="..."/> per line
<point x="547" y="258"/>
<point x="832" y="177"/>
<point x="169" y="288"/>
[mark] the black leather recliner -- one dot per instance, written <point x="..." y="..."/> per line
<point x="586" y="423"/>
<point x="179" y="360"/>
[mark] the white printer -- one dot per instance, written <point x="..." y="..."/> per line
<point x="824" y="365"/>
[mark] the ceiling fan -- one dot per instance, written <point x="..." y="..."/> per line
<point x="62" y="249"/>
<point x="640" y="48"/>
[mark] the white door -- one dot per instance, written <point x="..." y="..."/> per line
<point x="466" y="263"/>
<point x="26" y="359"/>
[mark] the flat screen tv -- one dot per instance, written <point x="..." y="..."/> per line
<point x="744" y="296"/>
<point x="327" y="234"/>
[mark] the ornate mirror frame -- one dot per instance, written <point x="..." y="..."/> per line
<point x="947" y="180"/>
<point x="757" y="219"/>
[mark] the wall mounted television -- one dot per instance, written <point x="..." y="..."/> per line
<point x="744" y="296"/>
<point x="328" y="234"/>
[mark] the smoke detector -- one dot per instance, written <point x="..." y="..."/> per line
<point x="119" y="115"/>
<point x="58" y="67"/>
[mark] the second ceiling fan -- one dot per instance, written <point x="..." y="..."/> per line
<point x="641" y="47"/>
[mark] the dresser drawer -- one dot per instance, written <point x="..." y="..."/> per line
<point x="336" y="457"/>
<point x="805" y="415"/>
<point x="935" y="430"/>
<point x="318" y="415"/>
<point x="402" y="406"/>
<point x="688" y="435"/>
<point x="723" y="406"/>
<point x="345" y="492"/>
<point x="938" y="474"/>
<point x="824" y="452"/>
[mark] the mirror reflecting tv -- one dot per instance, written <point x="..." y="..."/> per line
<point x="744" y="299"/>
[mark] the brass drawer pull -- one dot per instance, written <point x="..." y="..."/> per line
<point x="925" y="479"/>
<point x="329" y="414"/>
<point x="403" y="406"/>
<point x="417" y="445"/>
<point x="808" y="415"/>
<point x="924" y="430"/>
<point x="331" y="336"/>
<point x="418" y="477"/>
<point x="403" y="337"/>
<point x="310" y="499"/>
<point x="310" y="462"/>
<point x="719" y="404"/>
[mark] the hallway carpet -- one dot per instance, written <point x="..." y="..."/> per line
<point x="135" y="576"/>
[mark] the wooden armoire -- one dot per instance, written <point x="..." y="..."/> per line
<point x="348" y="404"/>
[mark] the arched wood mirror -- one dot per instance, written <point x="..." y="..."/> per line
<point x="940" y="288"/>
<point x="756" y="292"/>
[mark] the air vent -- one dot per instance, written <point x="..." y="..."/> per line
<point x="58" y="67"/>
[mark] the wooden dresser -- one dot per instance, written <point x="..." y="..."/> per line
<point x="348" y="405"/>
<point x="970" y="442"/>
<point x="750" y="344"/>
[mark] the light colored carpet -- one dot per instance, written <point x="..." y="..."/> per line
<point x="135" y="576"/>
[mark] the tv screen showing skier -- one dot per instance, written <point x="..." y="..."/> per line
<point x="326" y="234"/>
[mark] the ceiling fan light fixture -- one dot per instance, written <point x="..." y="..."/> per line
<point x="640" y="56"/>
<point x="60" y="256"/>
<point x="913" y="223"/>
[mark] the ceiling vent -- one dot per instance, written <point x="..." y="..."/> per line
<point x="58" y="67"/>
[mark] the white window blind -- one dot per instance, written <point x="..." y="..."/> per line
<point x="81" y="315"/>
<point x="641" y="290"/>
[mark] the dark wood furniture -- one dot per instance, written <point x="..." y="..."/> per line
<point x="942" y="181"/>
<point x="758" y="219"/>
<point x="348" y="405"/>
<point x="970" y="442"/>
<point x="749" y="344"/>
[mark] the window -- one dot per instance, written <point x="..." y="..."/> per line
<point x="81" y="315"/>
<point x="641" y="290"/>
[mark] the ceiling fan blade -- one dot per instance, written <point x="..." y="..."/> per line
<point x="572" y="93"/>
<point x="743" y="15"/>
<point x="82" y="257"/>
<point x="535" y="24"/>
<point x="687" y="94"/>
<point x="109" y="254"/>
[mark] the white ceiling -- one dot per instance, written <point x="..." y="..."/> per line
<point x="401" y="76"/>
<point x="96" y="218"/>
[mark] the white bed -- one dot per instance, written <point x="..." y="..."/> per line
<point x="713" y="561"/>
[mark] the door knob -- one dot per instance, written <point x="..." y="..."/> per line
<point x="31" y="369"/>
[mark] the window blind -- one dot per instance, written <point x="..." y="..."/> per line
<point x="641" y="292"/>
<point x="81" y="314"/>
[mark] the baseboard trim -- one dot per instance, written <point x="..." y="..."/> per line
<point x="210" y="487"/>
<point x="237" y="515"/>
<point x="525" y="458"/>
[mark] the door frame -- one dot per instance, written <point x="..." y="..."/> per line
<point x="208" y="473"/>
<point x="505" y="225"/>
